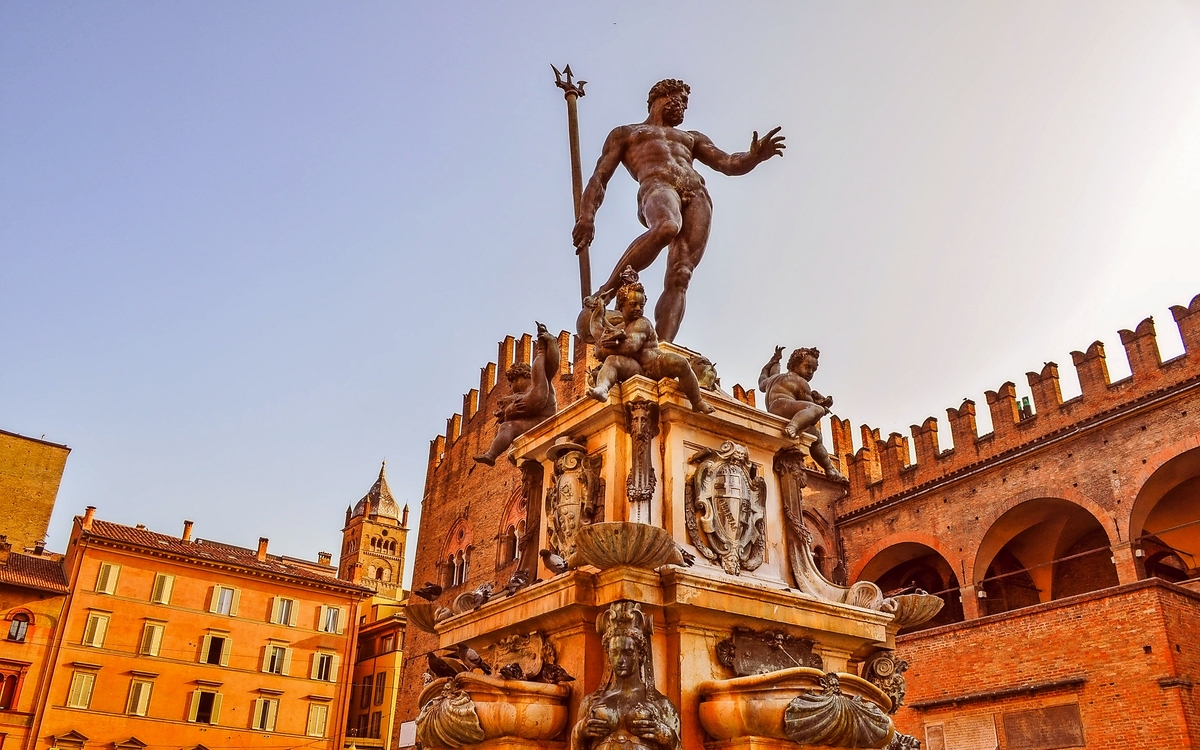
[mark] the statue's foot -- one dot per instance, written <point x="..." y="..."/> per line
<point x="600" y="395"/>
<point x="834" y="474"/>
<point x="484" y="458"/>
<point x="791" y="431"/>
<point x="703" y="407"/>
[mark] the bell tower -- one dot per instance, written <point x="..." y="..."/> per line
<point x="374" y="540"/>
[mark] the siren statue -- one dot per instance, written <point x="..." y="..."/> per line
<point x="673" y="203"/>
<point x="788" y="394"/>
<point x="532" y="400"/>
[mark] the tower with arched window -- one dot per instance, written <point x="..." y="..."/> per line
<point x="373" y="540"/>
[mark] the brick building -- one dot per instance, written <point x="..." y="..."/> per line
<point x="30" y="472"/>
<point x="1063" y="543"/>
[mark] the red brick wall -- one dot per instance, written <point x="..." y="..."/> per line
<point x="1122" y="641"/>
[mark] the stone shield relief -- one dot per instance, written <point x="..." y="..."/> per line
<point x="725" y="505"/>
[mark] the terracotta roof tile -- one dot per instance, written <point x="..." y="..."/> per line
<point x="34" y="572"/>
<point x="202" y="549"/>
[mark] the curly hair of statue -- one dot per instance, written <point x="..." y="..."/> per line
<point x="630" y="285"/>
<point x="518" y="371"/>
<point x="799" y="355"/>
<point x="667" y="87"/>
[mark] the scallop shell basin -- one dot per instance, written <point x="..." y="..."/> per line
<point x="613" y="544"/>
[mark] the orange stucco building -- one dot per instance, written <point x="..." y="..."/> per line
<point x="173" y="641"/>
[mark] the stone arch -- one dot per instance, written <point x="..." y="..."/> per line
<point x="916" y="537"/>
<point x="1163" y="519"/>
<point x="1040" y="548"/>
<point x="971" y="550"/>
<point x="905" y="563"/>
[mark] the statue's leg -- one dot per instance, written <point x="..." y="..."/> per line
<point x="605" y="380"/>
<point x="682" y="258"/>
<point x="807" y="415"/>
<point x="505" y="435"/>
<point x="661" y="211"/>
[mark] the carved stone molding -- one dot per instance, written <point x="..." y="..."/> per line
<point x="724" y="508"/>
<point x="830" y="718"/>
<point x="575" y="495"/>
<point x="903" y="742"/>
<point x="886" y="671"/>
<point x="749" y="652"/>
<point x="642" y="423"/>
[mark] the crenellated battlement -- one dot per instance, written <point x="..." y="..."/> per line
<point x="478" y="404"/>
<point x="880" y="470"/>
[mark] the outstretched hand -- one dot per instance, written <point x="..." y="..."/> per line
<point x="770" y="145"/>
<point x="584" y="232"/>
<point x="778" y="355"/>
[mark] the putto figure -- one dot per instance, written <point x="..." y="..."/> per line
<point x="673" y="203"/>
<point x="789" y="394"/>
<point x="627" y="345"/>
<point x="532" y="400"/>
<point x="626" y="712"/>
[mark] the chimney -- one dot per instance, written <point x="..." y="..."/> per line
<point x="187" y="531"/>
<point x="404" y="517"/>
<point x="39" y="546"/>
<point x="324" y="558"/>
<point x="5" y="549"/>
<point x="261" y="554"/>
<point x="89" y="515"/>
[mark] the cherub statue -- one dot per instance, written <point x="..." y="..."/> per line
<point x="788" y="394"/>
<point x="627" y="345"/>
<point x="532" y="400"/>
<point x="626" y="712"/>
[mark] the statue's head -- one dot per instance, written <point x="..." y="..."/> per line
<point x="519" y="376"/>
<point x="631" y="296"/>
<point x="803" y="362"/>
<point x="624" y="631"/>
<point x="674" y="94"/>
<point x="706" y="372"/>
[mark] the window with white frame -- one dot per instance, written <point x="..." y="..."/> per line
<point x="106" y="579"/>
<point x="95" y="630"/>
<point x="139" y="697"/>
<point x="80" y="695"/>
<point x="324" y="666"/>
<point x="152" y="636"/>
<point x="283" y="611"/>
<point x="264" y="714"/>
<point x="204" y="707"/>
<point x="318" y="716"/>
<point x="331" y="619"/>
<point x="277" y="659"/>
<point x="224" y="601"/>
<point x="215" y="649"/>
<point x="19" y="627"/>
<point x="163" y="586"/>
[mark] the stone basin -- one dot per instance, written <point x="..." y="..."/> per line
<point x="534" y="711"/>
<point x="758" y="706"/>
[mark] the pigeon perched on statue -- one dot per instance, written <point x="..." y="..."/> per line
<point x="429" y="591"/>
<point x="470" y="657"/>
<point x="512" y="672"/>
<point x="554" y="674"/>
<point x="440" y="667"/>
<point x="688" y="558"/>
<point x="554" y="562"/>
<point x="519" y="580"/>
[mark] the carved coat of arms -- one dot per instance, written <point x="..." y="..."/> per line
<point x="725" y="504"/>
<point x="575" y="497"/>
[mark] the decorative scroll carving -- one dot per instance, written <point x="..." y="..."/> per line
<point x="830" y="718"/>
<point x="886" y="672"/>
<point x="903" y="742"/>
<point x="626" y="712"/>
<point x="571" y="501"/>
<point x="527" y="652"/>
<point x="642" y="424"/>
<point x="449" y="720"/>
<point x="749" y="652"/>
<point x="724" y="508"/>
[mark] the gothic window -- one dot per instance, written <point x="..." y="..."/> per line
<point x="18" y="628"/>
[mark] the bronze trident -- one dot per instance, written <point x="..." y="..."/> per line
<point x="572" y="90"/>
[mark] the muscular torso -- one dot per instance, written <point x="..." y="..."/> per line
<point x="787" y="385"/>
<point x="660" y="154"/>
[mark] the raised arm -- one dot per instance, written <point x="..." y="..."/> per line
<point x="593" y="194"/>
<point x="770" y="369"/>
<point x="707" y="153"/>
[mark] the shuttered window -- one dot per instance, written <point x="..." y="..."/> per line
<point x="283" y="611"/>
<point x="163" y="585"/>
<point x="318" y="715"/>
<point x="215" y="649"/>
<point x="277" y="659"/>
<point x="205" y="707"/>
<point x="224" y="601"/>
<point x="331" y="619"/>
<point x="81" y="689"/>
<point x="106" y="579"/>
<point x="264" y="714"/>
<point x="95" y="630"/>
<point x="139" y="697"/>
<point x="324" y="667"/>
<point x="152" y="635"/>
<point x="380" y="682"/>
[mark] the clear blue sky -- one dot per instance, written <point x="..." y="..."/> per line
<point x="250" y="250"/>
